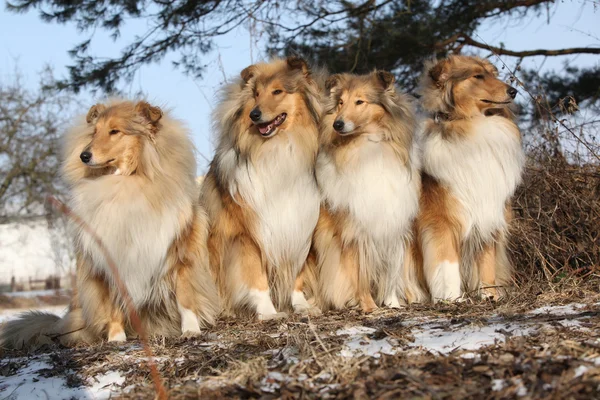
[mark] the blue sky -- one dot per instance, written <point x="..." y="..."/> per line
<point x="29" y="43"/>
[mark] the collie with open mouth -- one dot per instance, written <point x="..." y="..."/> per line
<point x="472" y="163"/>
<point x="368" y="173"/>
<point x="260" y="191"/>
<point x="131" y="174"/>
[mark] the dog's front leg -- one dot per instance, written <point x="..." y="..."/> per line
<point x="486" y="263"/>
<point x="102" y="316"/>
<point x="247" y="280"/>
<point x="186" y="295"/>
<point x="299" y="302"/>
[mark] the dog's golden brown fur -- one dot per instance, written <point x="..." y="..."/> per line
<point x="367" y="170"/>
<point x="260" y="191"/>
<point x="131" y="173"/>
<point x="472" y="162"/>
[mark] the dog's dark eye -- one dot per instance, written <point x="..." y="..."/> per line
<point x="113" y="131"/>
<point x="479" y="76"/>
<point x="278" y="91"/>
<point x="256" y="94"/>
<point x="359" y="102"/>
<point x="341" y="102"/>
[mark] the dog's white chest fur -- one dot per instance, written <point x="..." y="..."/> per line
<point x="136" y="234"/>
<point x="481" y="171"/>
<point x="281" y="190"/>
<point x="379" y="192"/>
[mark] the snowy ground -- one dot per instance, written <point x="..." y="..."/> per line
<point x="32" y="250"/>
<point x="36" y="381"/>
<point x="435" y="336"/>
<point x="35" y="293"/>
<point x="407" y="352"/>
<point x="11" y="313"/>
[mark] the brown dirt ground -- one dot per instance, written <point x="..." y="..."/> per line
<point x="299" y="357"/>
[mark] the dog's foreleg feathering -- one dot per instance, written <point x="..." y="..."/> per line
<point x="445" y="281"/>
<point x="441" y="264"/>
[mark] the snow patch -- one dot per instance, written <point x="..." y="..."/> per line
<point x="35" y="293"/>
<point x="355" y="330"/>
<point x="580" y="370"/>
<point x="35" y="381"/>
<point x="568" y="309"/>
<point x="465" y="338"/>
<point x="359" y="344"/>
<point x="498" y="385"/>
<point x="272" y="382"/>
<point x="31" y="250"/>
<point x="441" y="336"/>
<point x="13" y="313"/>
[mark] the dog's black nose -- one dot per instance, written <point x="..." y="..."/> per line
<point x="512" y="92"/>
<point x="338" y="125"/>
<point x="255" y="114"/>
<point x="86" y="156"/>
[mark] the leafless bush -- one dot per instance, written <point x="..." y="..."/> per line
<point x="557" y="209"/>
<point x="31" y="122"/>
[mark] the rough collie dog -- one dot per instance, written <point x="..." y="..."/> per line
<point x="260" y="191"/>
<point x="131" y="172"/>
<point x="367" y="171"/>
<point x="472" y="162"/>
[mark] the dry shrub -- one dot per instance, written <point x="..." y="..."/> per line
<point x="557" y="208"/>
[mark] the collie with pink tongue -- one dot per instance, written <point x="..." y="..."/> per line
<point x="269" y="127"/>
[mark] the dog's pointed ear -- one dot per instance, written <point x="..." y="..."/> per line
<point x="94" y="113"/>
<point x="248" y="72"/>
<point x="489" y="67"/>
<point x="385" y="79"/>
<point x="332" y="82"/>
<point x="295" y="62"/>
<point x="439" y="72"/>
<point x="151" y="113"/>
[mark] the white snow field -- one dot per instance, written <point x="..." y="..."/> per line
<point x="31" y="250"/>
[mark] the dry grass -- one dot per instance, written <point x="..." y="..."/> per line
<point x="557" y="223"/>
<point x="556" y="235"/>
<point x="300" y="357"/>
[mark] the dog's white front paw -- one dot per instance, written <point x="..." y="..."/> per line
<point x="310" y="310"/>
<point x="267" y="317"/>
<point x="392" y="301"/>
<point x="446" y="282"/>
<point x="189" y="321"/>
<point x="302" y="306"/>
<point x="117" y="336"/>
<point x="190" y="334"/>
<point x="261" y="299"/>
<point x="488" y="293"/>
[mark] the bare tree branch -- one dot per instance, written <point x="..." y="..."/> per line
<point x="30" y="124"/>
<point x="527" y="53"/>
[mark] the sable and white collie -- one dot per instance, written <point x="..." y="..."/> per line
<point x="368" y="173"/>
<point x="472" y="162"/>
<point x="260" y="191"/>
<point x="131" y="174"/>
